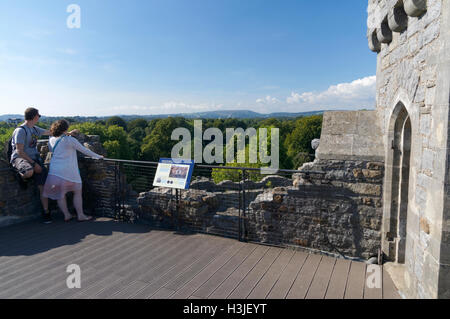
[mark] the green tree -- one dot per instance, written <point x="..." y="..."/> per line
<point x="270" y="122"/>
<point x="116" y="120"/>
<point x="117" y="144"/>
<point x="137" y="123"/>
<point x="90" y="128"/>
<point x="134" y="149"/>
<point x="150" y="140"/>
<point x="117" y="133"/>
<point x="218" y="175"/>
<point x="137" y="134"/>
<point x="113" y="148"/>
<point x="150" y="126"/>
<point x="298" y="142"/>
<point x="5" y="135"/>
<point x="158" y="143"/>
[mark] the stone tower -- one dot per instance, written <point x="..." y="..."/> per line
<point x="412" y="42"/>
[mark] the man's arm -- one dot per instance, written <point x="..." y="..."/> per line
<point x="36" y="167"/>
<point x="22" y="154"/>
<point x="42" y="131"/>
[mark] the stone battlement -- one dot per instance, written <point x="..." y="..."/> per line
<point x="388" y="16"/>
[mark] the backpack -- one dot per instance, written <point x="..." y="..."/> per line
<point x="50" y="153"/>
<point x="9" y="148"/>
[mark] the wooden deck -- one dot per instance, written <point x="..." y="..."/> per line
<point x="119" y="260"/>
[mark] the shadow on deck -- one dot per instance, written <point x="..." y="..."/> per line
<point x="120" y="260"/>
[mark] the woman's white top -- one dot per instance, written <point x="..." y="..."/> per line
<point x="64" y="162"/>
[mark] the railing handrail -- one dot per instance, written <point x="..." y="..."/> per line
<point x="281" y="170"/>
<point x="290" y="171"/>
<point x="128" y="161"/>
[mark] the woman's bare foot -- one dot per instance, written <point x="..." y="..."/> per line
<point x="84" y="218"/>
<point x="67" y="218"/>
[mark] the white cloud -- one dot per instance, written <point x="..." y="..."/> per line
<point x="59" y="99"/>
<point x="268" y="100"/>
<point x="359" y="93"/>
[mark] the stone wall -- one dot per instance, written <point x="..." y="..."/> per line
<point x="206" y="207"/>
<point x="333" y="206"/>
<point x="99" y="187"/>
<point x="16" y="205"/>
<point x="412" y="39"/>
<point x="348" y="178"/>
<point x="351" y="135"/>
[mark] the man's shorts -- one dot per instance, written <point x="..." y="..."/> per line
<point x="23" y="166"/>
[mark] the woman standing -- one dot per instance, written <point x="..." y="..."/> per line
<point x="64" y="175"/>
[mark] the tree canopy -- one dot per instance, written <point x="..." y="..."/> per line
<point x="116" y="120"/>
<point x="140" y="139"/>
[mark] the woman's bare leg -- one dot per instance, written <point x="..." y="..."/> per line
<point x="78" y="203"/>
<point x="44" y="200"/>
<point x="62" y="204"/>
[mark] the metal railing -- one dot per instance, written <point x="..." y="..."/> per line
<point x="217" y="201"/>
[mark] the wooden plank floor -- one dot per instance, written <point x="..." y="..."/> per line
<point x="119" y="260"/>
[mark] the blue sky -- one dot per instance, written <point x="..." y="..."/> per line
<point x="169" y="56"/>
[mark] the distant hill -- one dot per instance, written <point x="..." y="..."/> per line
<point x="10" y="116"/>
<point x="236" y="114"/>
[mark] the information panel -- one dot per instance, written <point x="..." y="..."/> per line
<point x="174" y="173"/>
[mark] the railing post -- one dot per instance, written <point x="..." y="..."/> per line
<point x="177" y="201"/>
<point x="240" y="213"/>
<point x="120" y="217"/>
<point x="117" y="192"/>
<point x="243" y="205"/>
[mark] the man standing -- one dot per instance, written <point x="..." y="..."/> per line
<point x="25" y="157"/>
